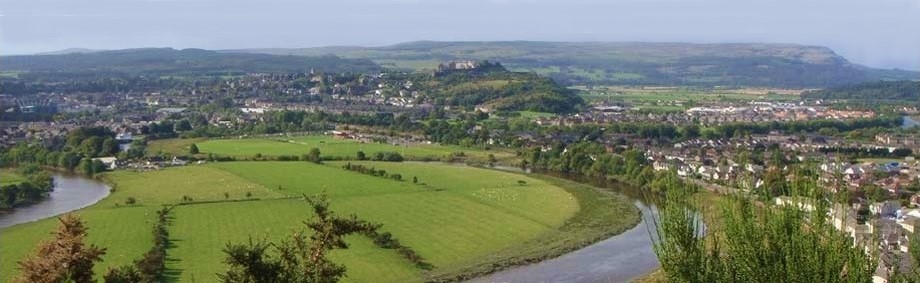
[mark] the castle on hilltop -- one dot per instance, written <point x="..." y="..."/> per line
<point x="458" y="65"/>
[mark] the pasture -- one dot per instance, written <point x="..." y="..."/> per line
<point x="673" y="99"/>
<point x="171" y="146"/>
<point x="329" y="147"/>
<point x="456" y="217"/>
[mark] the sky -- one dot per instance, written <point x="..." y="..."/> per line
<point x="876" y="33"/>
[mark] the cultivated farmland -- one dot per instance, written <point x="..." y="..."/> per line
<point x="329" y="147"/>
<point x="460" y="219"/>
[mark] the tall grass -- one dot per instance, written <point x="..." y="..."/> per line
<point x="754" y="242"/>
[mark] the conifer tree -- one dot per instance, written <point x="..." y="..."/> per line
<point x="66" y="258"/>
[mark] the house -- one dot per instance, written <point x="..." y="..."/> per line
<point x="800" y="203"/>
<point x="178" y="162"/>
<point x="898" y="140"/>
<point x="887" y="208"/>
<point x="707" y="172"/>
<point x="342" y="134"/>
<point x="171" y="110"/>
<point x="909" y="222"/>
<point x="111" y="163"/>
<point x="915" y="199"/>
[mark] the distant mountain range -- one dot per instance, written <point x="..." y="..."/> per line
<point x="571" y="63"/>
<point x="70" y="51"/>
<point x="168" y="61"/>
<point x="734" y="64"/>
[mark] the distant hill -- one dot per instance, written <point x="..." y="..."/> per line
<point x="742" y="64"/>
<point x="168" y="61"/>
<point x="901" y="91"/>
<point x="490" y="86"/>
<point x="70" y="51"/>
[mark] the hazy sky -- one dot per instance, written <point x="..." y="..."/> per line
<point x="878" y="33"/>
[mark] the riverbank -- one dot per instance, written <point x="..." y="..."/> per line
<point x="601" y="215"/>
<point x="70" y="193"/>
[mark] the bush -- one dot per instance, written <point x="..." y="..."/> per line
<point x="130" y="201"/>
<point x="385" y="240"/>
<point x="388" y="156"/>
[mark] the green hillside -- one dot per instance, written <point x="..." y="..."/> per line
<point x="462" y="220"/>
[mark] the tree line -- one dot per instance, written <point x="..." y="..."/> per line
<point x="75" y="153"/>
<point x="34" y="189"/>
<point x="897" y="91"/>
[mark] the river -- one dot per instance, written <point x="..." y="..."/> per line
<point x="70" y="193"/>
<point x="620" y="258"/>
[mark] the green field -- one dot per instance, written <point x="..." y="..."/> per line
<point x="534" y="115"/>
<point x="461" y="219"/>
<point x="329" y="147"/>
<point x="672" y="99"/>
<point x="9" y="74"/>
<point x="171" y="146"/>
<point x="9" y="177"/>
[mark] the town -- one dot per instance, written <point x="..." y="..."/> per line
<point x="863" y="158"/>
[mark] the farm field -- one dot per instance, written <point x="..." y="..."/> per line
<point x="534" y="115"/>
<point x="670" y="99"/>
<point x="329" y="147"/>
<point x="171" y="146"/>
<point x="455" y="216"/>
<point x="124" y="231"/>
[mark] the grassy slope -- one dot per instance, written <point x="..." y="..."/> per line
<point x="453" y="220"/>
<point x="601" y="214"/>
<point x="200" y="231"/>
<point x="443" y="219"/>
<point x="201" y="183"/>
<point x="126" y="230"/>
<point x="464" y="220"/>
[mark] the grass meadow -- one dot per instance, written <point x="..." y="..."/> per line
<point x="461" y="219"/>
<point x="172" y="146"/>
<point x="329" y="147"/>
<point x="675" y="99"/>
